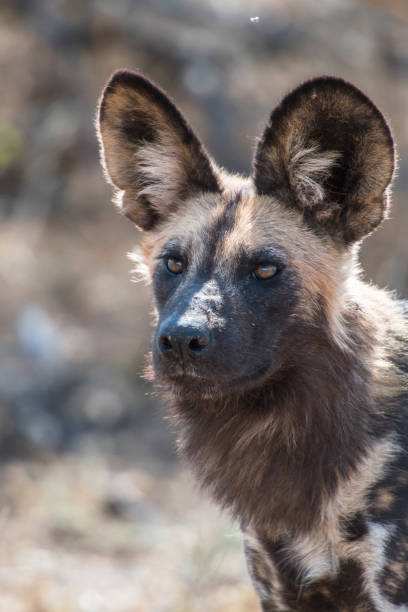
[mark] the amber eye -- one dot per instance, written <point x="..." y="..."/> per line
<point x="173" y="265"/>
<point x="265" y="271"/>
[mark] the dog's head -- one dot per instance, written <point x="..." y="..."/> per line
<point x="242" y="268"/>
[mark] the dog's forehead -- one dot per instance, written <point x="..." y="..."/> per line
<point x="256" y="223"/>
<point x="234" y="222"/>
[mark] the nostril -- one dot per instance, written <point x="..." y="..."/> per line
<point x="197" y="345"/>
<point x="165" y="344"/>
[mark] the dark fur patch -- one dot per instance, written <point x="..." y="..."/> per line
<point x="277" y="551"/>
<point x="136" y="127"/>
<point x="344" y="593"/>
<point x="354" y="528"/>
<point x="393" y="578"/>
<point x="214" y="234"/>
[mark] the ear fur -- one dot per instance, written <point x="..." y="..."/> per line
<point x="149" y="152"/>
<point x="328" y="152"/>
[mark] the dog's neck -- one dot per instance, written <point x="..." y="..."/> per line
<point x="274" y="455"/>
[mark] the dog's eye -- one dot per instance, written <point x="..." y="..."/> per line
<point x="174" y="265"/>
<point x="265" y="271"/>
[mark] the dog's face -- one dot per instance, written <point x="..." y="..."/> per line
<point x="241" y="269"/>
<point x="227" y="292"/>
<point x="236" y="280"/>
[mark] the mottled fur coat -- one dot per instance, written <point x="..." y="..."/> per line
<point x="285" y="372"/>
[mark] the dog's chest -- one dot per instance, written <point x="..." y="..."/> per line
<point x="364" y="571"/>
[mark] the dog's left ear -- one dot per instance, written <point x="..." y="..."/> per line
<point x="328" y="152"/>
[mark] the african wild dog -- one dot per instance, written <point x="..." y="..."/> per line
<point x="285" y="372"/>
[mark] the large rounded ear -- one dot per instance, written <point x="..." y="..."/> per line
<point x="328" y="152"/>
<point x="149" y="152"/>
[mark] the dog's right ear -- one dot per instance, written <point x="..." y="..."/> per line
<point x="149" y="152"/>
<point x="328" y="153"/>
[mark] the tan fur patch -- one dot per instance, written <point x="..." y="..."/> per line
<point x="351" y="493"/>
<point x="163" y="172"/>
<point x="308" y="168"/>
<point x="384" y="499"/>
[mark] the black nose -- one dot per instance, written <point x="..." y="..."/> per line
<point x="183" y="341"/>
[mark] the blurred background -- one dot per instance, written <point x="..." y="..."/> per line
<point x="97" y="513"/>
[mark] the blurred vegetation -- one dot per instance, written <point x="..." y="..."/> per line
<point x="95" y="512"/>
